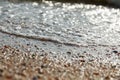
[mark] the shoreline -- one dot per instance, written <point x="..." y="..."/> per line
<point x="19" y="65"/>
<point x="27" y="62"/>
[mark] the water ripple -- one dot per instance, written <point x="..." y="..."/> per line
<point x="62" y="22"/>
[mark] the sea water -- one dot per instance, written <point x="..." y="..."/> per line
<point x="75" y="24"/>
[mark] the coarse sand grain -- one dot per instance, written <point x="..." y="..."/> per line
<point x="18" y="65"/>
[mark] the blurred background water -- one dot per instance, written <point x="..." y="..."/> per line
<point x="115" y="3"/>
<point x="65" y="22"/>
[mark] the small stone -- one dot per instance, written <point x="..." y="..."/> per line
<point x="33" y="56"/>
<point x="81" y="56"/>
<point x="84" y="52"/>
<point x="36" y="47"/>
<point x="39" y="70"/>
<point x="35" y="78"/>
<point x="82" y="60"/>
<point x="43" y="66"/>
<point x="28" y="44"/>
<point x="95" y="73"/>
<point x="107" y="78"/>
<point x="69" y="53"/>
<point x="115" y="51"/>
<point x="23" y="64"/>
<point x="1" y="70"/>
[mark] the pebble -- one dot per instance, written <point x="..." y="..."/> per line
<point x="35" y="78"/>
<point x="115" y="51"/>
<point x="69" y="53"/>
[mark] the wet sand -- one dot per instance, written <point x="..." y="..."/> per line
<point x="16" y="65"/>
<point x="23" y="59"/>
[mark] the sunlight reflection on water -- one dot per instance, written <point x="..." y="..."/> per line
<point x="76" y="23"/>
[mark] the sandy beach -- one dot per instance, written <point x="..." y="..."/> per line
<point x="17" y="65"/>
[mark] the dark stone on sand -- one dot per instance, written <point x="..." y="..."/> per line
<point x="115" y="51"/>
<point x="69" y="53"/>
<point x="35" y="78"/>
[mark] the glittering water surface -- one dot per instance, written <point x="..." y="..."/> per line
<point x="64" y="22"/>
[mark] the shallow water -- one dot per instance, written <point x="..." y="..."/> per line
<point x="79" y="24"/>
